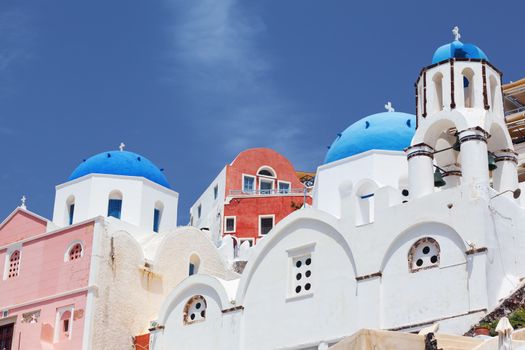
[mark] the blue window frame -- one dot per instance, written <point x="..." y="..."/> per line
<point x="156" y="220"/>
<point x="115" y="208"/>
<point x="71" y="213"/>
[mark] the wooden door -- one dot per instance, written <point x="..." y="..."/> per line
<point x="6" y="336"/>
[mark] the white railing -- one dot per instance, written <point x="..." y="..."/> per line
<point x="270" y="192"/>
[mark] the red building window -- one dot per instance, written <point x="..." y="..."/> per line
<point x="14" y="264"/>
<point x="265" y="224"/>
<point x="75" y="252"/>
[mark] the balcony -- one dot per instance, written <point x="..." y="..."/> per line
<point x="271" y="192"/>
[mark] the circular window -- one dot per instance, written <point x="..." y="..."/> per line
<point x="195" y="310"/>
<point x="423" y="254"/>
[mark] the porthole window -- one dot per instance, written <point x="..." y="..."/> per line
<point x="301" y="275"/>
<point x="424" y="254"/>
<point x="195" y="310"/>
<point x="75" y="252"/>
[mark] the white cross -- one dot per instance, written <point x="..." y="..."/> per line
<point x="121" y="146"/>
<point x="23" y="202"/>
<point x="389" y="107"/>
<point x="455" y="31"/>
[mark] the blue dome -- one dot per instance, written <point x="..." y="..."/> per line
<point x="120" y="163"/>
<point x="385" y="131"/>
<point x="457" y="49"/>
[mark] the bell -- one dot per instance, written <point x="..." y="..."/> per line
<point x="492" y="161"/>
<point x="457" y="145"/>
<point x="438" y="179"/>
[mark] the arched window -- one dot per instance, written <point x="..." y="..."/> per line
<point x="266" y="171"/>
<point x="438" y="92"/>
<point x="365" y="203"/>
<point x="195" y="262"/>
<point x="195" y="310"/>
<point x="14" y="264"/>
<point x="115" y="204"/>
<point x="493" y="89"/>
<point x="157" y="216"/>
<point x="468" y="87"/>
<point x="70" y="207"/>
<point x="424" y="254"/>
<point x="75" y="252"/>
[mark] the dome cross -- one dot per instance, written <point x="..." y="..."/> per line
<point x="23" y="202"/>
<point x="121" y="146"/>
<point x="455" y="31"/>
<point x="389" y="107"/>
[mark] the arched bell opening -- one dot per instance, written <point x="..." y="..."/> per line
<point x="442" y="136"/>
<point x="502" y="160"/>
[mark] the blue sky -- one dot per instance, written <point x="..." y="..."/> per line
<point x="190" y="84"/>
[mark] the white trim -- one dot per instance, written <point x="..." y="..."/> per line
<point x="58" y="325"/>
<point x="243" y="175"/>
<point x="358" y="156"/>
<point x="13" y="247"/>
<point x="96" y="245"/>
<point x="267" y="167"/>
<point x="70" y="246"/>
<point x="265" y="217"/>
<point x="267" y="180"/>
<point x="234" y="224"/>
<point x="139" y="178"/>
<point x="8" y="320"/>
<point x="51" y="297"/>
<point x="301" y="250"/>
<point x="30" y="213"/>
<point x="279" y="182"/>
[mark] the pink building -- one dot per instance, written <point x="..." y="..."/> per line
<point x="45" y="282"/>
<point x="66" y="283"/>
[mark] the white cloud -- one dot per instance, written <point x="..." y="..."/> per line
<point x="15" y="38"/>
<point x="216" y="55"/>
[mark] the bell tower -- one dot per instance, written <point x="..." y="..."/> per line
<point x="461" y="137"/>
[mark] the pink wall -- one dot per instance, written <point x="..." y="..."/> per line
<point x="19" y="226"/>
<point x="44" y="273"/>
<point x="40" y="335"/>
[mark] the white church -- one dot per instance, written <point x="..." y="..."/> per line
<point x="397" y="238"/>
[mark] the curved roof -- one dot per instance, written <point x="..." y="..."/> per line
<point x="120" y="163"/>
<point x="385" y="131"/>
<point x="457" y="49"/>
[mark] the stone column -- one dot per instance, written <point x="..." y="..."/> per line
<point x="505" y="176"/>
<point x="474" y="161"/>
<point x="420" y="170"/>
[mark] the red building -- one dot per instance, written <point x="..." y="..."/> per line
<point x="250" y="196"/>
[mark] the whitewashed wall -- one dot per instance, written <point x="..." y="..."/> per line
<point x="139" y="195"/>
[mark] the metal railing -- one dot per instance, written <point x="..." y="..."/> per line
<point x="514" y="111"/>
<point x="270" y="192"/>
